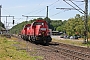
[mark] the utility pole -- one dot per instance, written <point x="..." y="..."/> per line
<point x="86" y="21"/>
<point x="47" y="12"/>
<point x="47" y="15"/>
<point x="0" y="12"/>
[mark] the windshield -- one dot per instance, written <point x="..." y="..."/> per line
<point x="38" y="23"/>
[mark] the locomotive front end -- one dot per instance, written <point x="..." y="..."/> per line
<point x="43" y="33"/>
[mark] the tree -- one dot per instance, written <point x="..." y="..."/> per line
<point x="48" y="21"/>
<point x="1" y="25"/>
<point x="77" y="16"/>
<point x="56" y="23"/>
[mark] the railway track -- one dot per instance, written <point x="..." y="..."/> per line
<point x="74" y="55"/>
<point x="66" y="51"/>
<point x="80" y="49"/>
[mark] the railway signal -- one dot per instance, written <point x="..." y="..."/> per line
<point x="13" y="22"/>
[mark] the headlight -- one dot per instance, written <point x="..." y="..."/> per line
<point x="43" y="29"/>
<point x="39" y="33"/>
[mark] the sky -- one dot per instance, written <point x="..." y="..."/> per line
<point x="17" y="8"/>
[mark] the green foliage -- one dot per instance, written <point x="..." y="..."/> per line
<point x="9" y="52"/>
<point x="1" y="25"/>
<point x="17" y="28"/>
<point x="48" y="20"/>
<point x="56" y="23"/>
<point x="74" y="25"/>
<point x="60" y="28"/>
<point x="71" y="26"/>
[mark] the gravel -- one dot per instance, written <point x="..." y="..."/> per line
<point x="46" y="54"/>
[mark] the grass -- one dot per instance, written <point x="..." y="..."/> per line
<point x="10" y="52"/>
<point x="73" y="42"/>
<point x="87" y="45"/>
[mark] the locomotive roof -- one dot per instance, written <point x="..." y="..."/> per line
<point x="27" y="25"/>
<point x="40" y="21"/>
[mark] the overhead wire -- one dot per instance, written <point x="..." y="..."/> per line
<point x="6" y="11"/>
<point x="35" y="8"/>
<point x="77" y="6"/>
<point x="40" y="11"/>
<point x="59" y="13"/>
<point x="64" y="10"/>
<point x="73" y="7"/>
<point x="78" y="1"/>
<point x="53" y="3"/>
<point x="48" y="6"/>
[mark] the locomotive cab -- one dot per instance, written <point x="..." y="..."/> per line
<point x="40" y="32"/>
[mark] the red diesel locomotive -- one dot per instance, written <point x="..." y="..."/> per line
<point x="24" y="31"/>
<point x="38" y="31"/>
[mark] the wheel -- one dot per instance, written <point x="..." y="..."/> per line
<point x="21" y="36"/>
<point x="46" y="42"/>
<point x="29" y="38"/>
<point x="33" y="38"/>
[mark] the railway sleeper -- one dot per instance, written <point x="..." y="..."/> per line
<point x="73" y="56"/>
<point x="88" y="56"/>
<point x="67" y="55"/>
<point x="76" y="57"/>
<point x="77" y="53"/>
<point x="64" y="55"/>
<point x="82" y="54"/>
